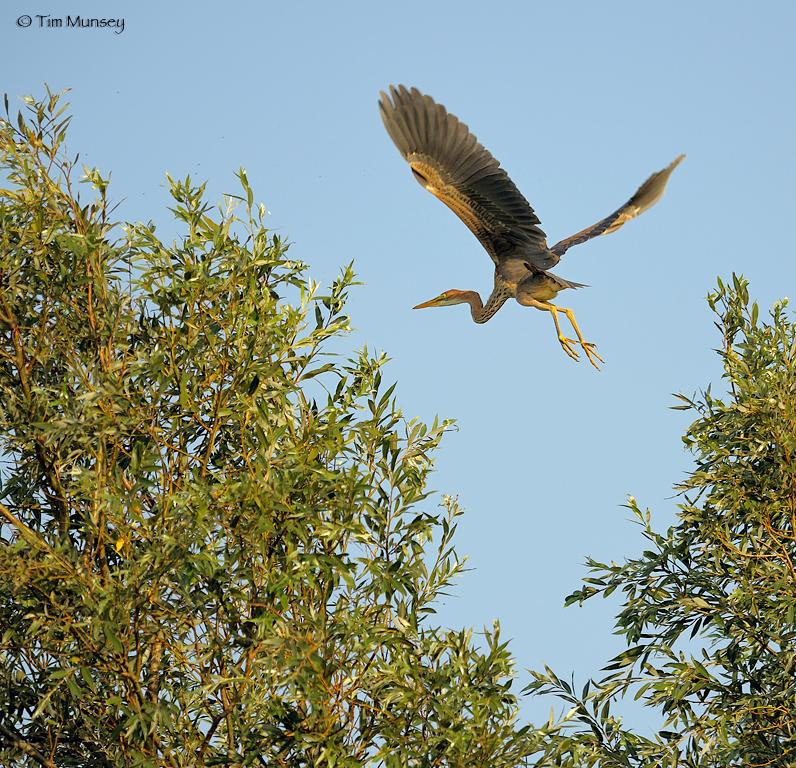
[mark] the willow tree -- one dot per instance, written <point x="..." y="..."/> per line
<point x="216" y="547"/>
<point x="709" y="608"/>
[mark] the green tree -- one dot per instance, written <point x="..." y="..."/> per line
<point x="709" y="610"/>
<point x="215" y="545"/>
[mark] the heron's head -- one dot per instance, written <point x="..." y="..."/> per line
<point x="446" y="299"/>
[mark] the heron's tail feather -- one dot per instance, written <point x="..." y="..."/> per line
<point x="566" y="283"/>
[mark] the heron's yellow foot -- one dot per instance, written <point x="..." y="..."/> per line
<point x="569" y="346"/>
<point x="588" y="348"/>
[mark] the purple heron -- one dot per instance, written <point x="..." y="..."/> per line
<point x="450" y="163"/>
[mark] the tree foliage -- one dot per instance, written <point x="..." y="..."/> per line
<point x="709" y="610"/>
<point x="215" y="545"/>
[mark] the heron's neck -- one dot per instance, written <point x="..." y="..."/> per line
<point x="482" y="312"/>
<point x="476" y="305"/>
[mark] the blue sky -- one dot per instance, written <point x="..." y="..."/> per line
<point x="580" y="102"/>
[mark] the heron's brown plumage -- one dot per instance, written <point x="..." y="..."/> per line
<point x="450" y="163"/>
<point x="645" y="197"/>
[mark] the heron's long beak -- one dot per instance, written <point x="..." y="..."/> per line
<point x="429" y="303"/>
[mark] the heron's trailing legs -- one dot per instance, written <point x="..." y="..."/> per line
<point x="566" y="343"/>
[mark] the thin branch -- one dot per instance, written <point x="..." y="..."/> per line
<point x="25" y="746"/>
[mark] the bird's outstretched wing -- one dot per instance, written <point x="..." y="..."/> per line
<point x="450" y="163"/>
<point x="646" y="196"/>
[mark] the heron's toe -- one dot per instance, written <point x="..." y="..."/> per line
<point x="569" y="346"/>
<point x="589" y="349"/>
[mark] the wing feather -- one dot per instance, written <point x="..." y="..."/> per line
<point x="645" y="197"/>
<point x="450" y="163"/>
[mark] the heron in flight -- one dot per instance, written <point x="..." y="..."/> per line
<point x="450" y="163"/>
